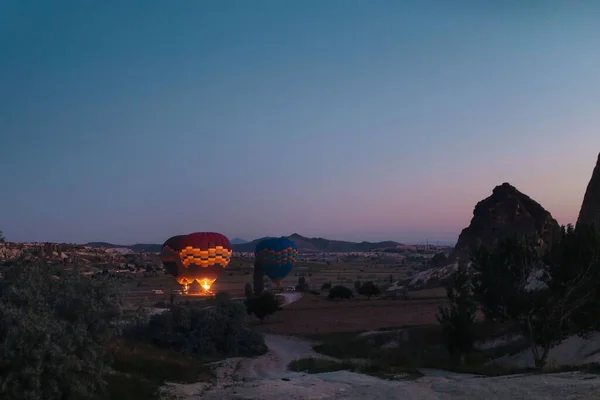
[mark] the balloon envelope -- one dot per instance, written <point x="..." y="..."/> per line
<point x="199" y="256"/>
<point x="277" y="257"/>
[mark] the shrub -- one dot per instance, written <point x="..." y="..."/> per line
<point x="222" y="297"/>
<point x="218" y="331"/>
<point x="326" y="286"/>
<point x="55" y="333"/>
<point x="160" y="304"/>
<point x="340" y="292"/>
<point x="262" y="305"/>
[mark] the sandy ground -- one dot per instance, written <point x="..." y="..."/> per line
<point x="267" y="378"/>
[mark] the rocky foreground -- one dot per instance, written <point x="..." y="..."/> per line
<point x="267" y="378"/>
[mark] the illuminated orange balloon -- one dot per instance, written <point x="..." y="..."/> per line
<point x="200" y="257"/>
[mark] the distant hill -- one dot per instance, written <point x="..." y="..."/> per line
<point x="321" y="245"/>
<point x="304" y="244"/>
<point x="236" y="240"/>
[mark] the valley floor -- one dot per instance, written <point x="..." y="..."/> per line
<point x="267" y="378"/>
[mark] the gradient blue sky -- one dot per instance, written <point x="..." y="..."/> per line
<point x="131" y="121"/>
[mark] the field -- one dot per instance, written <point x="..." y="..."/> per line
<point x="381" y="270"/>
<point x="315" y="315"/>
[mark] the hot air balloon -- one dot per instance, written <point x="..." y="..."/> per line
<point x="199" y="257"/>
<point x="277" y="257"/>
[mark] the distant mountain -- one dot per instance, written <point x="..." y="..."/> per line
<point x="321" y="245"/>
<point x="304" y="244"/>
<point x="103" y="244"/>
<point x="237" y="240"/>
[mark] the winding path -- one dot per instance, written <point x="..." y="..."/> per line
<point x="267" y="378"/>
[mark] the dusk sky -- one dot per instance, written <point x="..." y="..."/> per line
<point x="132" y="121"/>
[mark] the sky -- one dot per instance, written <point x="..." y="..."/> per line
<point x="132" y="121"/>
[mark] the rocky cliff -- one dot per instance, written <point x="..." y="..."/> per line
<point x="506" y="212"/>
<point x="590" y="208"/>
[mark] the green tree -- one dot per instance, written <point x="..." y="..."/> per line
<point x="55" y="333"/>
<point x="457" y="319"/>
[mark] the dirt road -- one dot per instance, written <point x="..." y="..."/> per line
<point x="267" y="378"/>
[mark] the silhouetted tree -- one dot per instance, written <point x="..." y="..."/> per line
<point x="302" y="285"/>
<point x="248" y="290"/>
<point x="259" y="273"/>
<point x="340" y="292"/>
<point x="369" y="289"/>
<point x="457" y="319"/>
<point x="262" y="305"/>
<point x="548" y="295"/>
<point x="438" y="260"/>
<point x="357" y="286"/>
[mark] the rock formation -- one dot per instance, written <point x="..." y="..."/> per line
<point x="506" y="212"/>
<point x="590" y="208"/>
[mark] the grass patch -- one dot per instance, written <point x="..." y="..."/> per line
<point x="406" y="349"/>
<point x="141" y="369"/>
<point x="314" y="365"/>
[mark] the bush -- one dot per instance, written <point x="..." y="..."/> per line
<point x="218" y="331"/>
<point x="262" y="305"/>
<point x="326" y="286"/>
<point x="160" y="304"/>
<point x="55" y="333"/>
<point x="222" y="297"/>
<point x="340" y="292"/>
